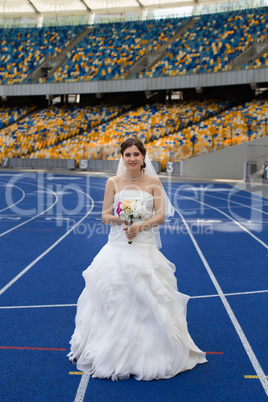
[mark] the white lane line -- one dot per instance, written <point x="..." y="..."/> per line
<point x="252" y="357"/>
<point x="48" y="250"/>
<point x="239" y="203"/>
<point x="68" y="178"/>
<point x="80" y="394"/>
<point x="229" y="217"/>
<point x="34" y="217"/>
<point x="230" y="294"/>
<point x="249" y="195"/>
<point x="75" y="305"/>
<point x="37" y="306"/>
<point x="23" y="196"/>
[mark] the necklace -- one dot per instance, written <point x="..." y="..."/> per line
<point x="133" y="178"/>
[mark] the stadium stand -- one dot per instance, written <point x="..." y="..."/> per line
<point x="172" y="130"/>
<point x="45" y="128"/>
<point x="81" y="133"/>
<point x="109" y="50"/>
<point x="24" y="49"/>
<point x="238" y="124"/>
<point x="213" y="43"/>
<point x="8" y="115"/>
<point x="210" y="43"/>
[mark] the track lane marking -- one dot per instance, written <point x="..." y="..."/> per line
<point x="32" y="348"/>
<point x="37" y="306"/>
<point x="251" y="355"/>
<point x="238" y="203"/>
<point x="230" y="294"/>
<point x="75" y="305"/>
<point x="17" y="277"/>
<point x="81" y="391"/>
<point x="76" y="372"/>
<point x="36" y="216"/>
<point x="15" y="203"/>
<point x="229" y="217"/>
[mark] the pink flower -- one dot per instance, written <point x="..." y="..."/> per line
<point x="118" y="208"/>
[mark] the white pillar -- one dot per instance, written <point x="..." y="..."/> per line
<point x="91" y="18"/>
<point x="40" y="18"/>
<point x="144" y="14"/>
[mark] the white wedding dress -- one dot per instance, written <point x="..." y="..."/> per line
<point x="131" y="319"/>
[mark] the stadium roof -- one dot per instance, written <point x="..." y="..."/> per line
<point x="12" y="8"/>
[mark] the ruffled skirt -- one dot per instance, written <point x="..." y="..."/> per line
<point x="131" y="319"/>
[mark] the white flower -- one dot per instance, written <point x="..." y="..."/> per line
<point x="139" y="212"/>
<point x="124" y="216"/>
<point x="131" y="211"/>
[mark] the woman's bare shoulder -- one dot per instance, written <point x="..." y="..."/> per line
<point x="115" y="181"/>
<point x="152" y="179"/>
<point x="152" y="184"/>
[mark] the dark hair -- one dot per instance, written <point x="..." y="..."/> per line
<point x="134" y="141"/>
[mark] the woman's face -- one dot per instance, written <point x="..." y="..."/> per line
<point x="133" y="158"/>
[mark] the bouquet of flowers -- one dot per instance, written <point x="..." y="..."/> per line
<point x="130" y="211"/>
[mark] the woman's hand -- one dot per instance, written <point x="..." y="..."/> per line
<point x="131" y="231"/>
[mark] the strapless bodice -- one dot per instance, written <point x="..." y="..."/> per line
<point x="146" y="199"/>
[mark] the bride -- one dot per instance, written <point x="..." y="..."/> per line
<point x="131" y="319"/>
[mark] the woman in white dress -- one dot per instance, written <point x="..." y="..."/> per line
<point x="131" y="319"/>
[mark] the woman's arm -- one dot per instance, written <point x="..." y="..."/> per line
<point x="107" y="209"/>
<point x="159" y="207"/>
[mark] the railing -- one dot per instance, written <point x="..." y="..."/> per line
<point x="91" y="165"/>
<point x="29" y="163"/>
<point x="7" y="21"/>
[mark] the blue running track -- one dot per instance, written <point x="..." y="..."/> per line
<point x="51" y="229"/>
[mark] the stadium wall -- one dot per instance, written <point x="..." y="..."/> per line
<point x="227" y="163"/>
<point x="211" y="80"/>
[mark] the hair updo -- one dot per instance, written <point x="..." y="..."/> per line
<point x="134" y="141"/>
